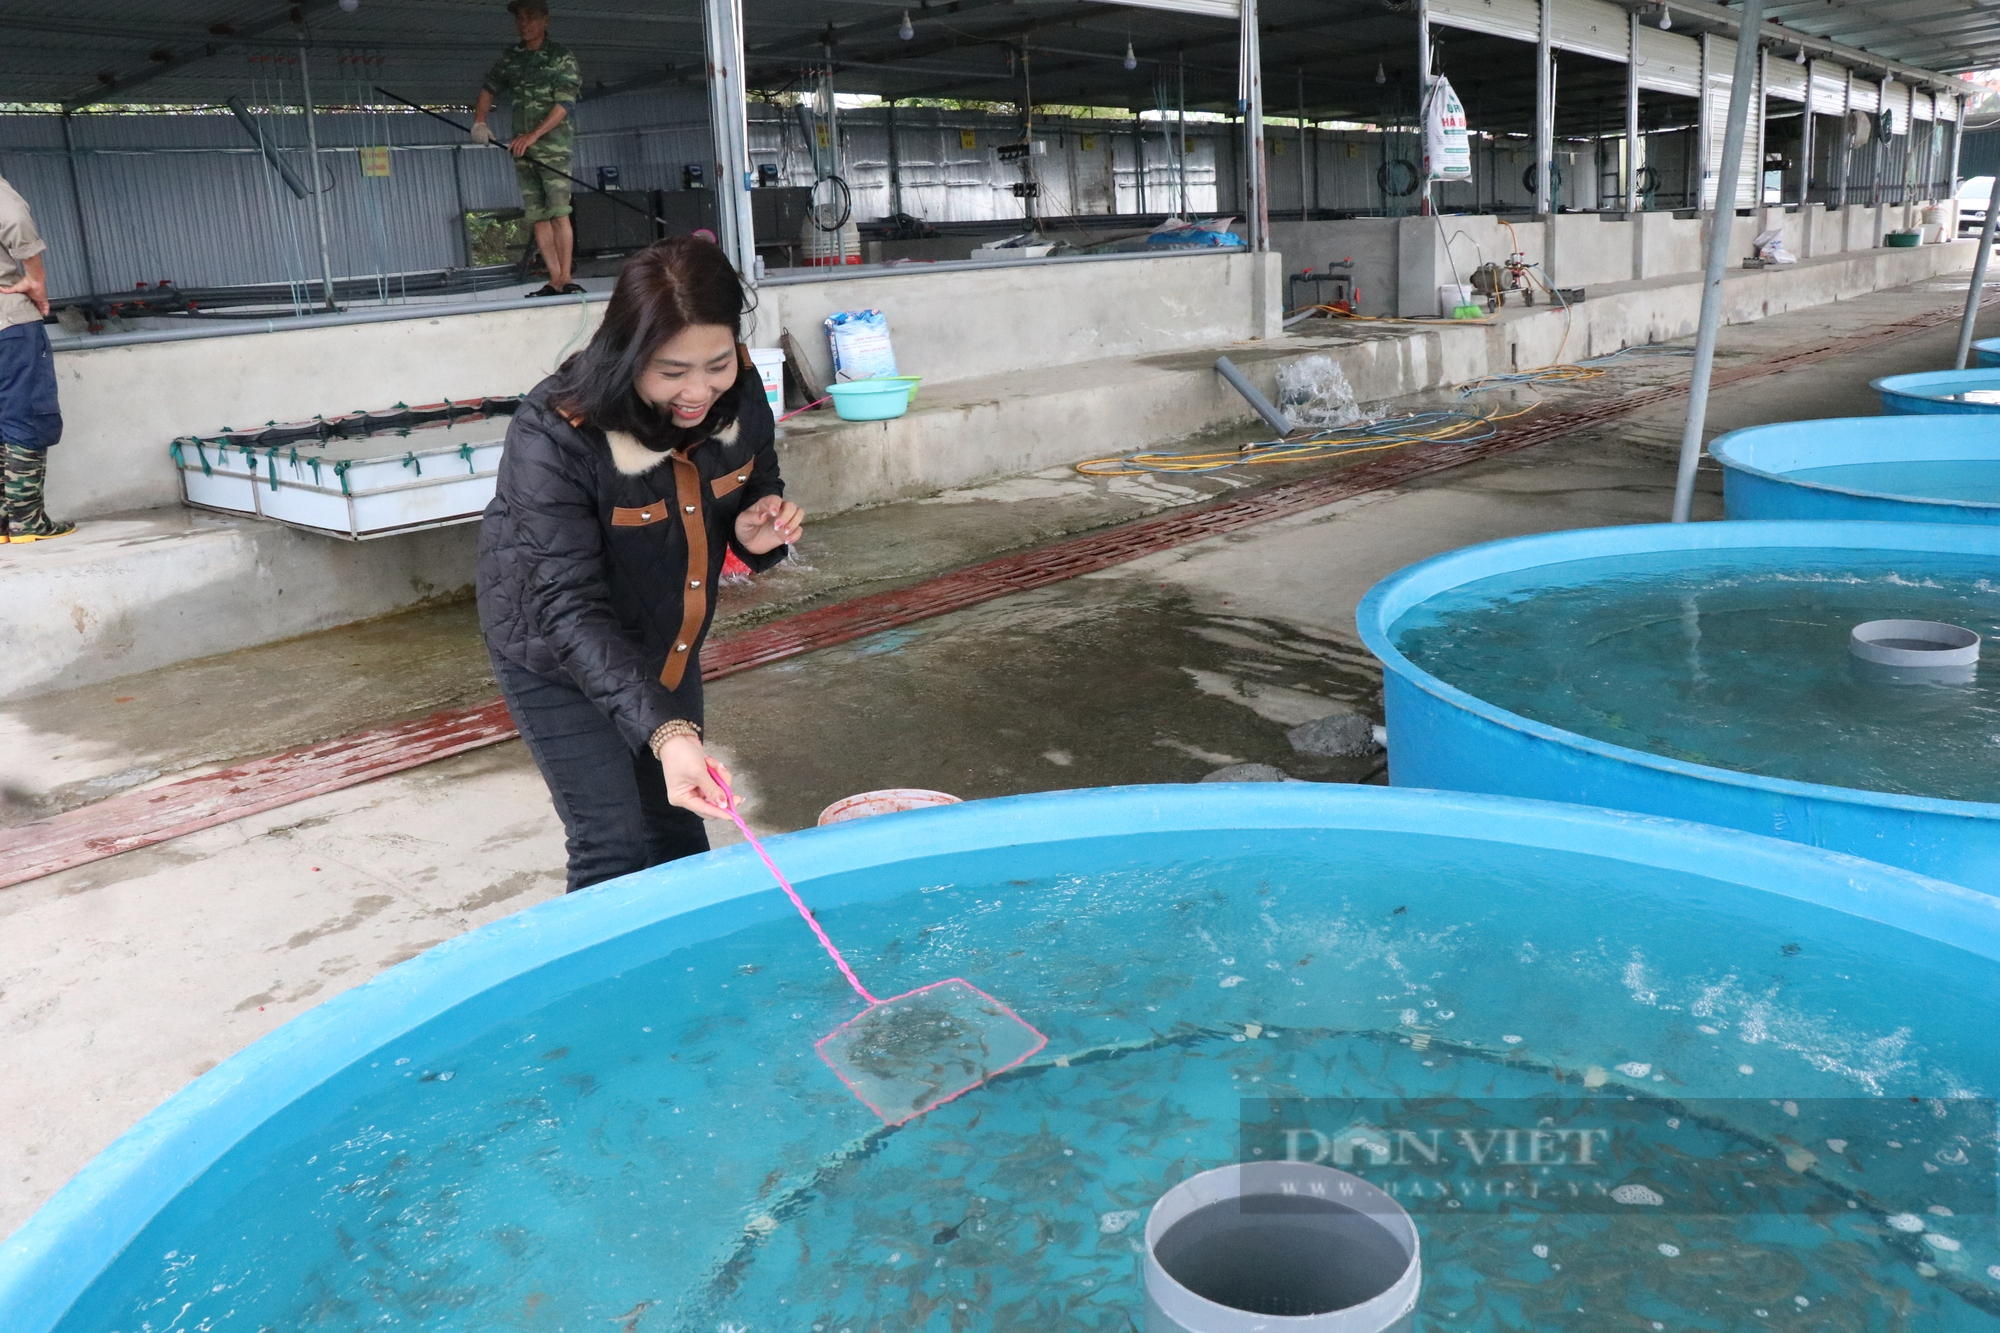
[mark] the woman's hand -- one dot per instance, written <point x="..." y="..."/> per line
<point x="768" y="524"/>
<point x="689" y="784"/>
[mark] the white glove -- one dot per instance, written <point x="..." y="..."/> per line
<point x="481" y="132"/>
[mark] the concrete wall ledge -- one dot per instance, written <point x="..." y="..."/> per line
<point x="137" y="591"/>
<point x="134" y="591"/>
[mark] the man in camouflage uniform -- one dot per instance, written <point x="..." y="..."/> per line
<point x="540" y="80"/>
<point x="30" y="421"/>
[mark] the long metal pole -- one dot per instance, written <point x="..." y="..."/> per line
<point x="1977" y="289"/>
<point x="729" y="121"/>
<point x="318" y="181"/>
<point x="1721" y="225"/>
<point x="1545" y="109"/>
<point x="1179" y="160"/>
<point x="1632" y="116"/>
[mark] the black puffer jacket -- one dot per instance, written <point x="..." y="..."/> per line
<point x="585" y="573"/>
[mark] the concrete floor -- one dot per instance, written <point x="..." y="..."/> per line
<point x="121" y="980"/>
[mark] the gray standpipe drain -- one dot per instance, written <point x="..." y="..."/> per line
<point x="1272" y="1247"/>
<point x="1926" y="651"/>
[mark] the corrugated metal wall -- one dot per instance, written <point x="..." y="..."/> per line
<point x="190" y="199"/>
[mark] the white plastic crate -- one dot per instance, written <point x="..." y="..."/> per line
<point x="426" y="476"/>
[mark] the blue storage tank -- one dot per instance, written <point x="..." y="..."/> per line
<point x="1986" y="352"/>
<point x="1887" y="469"/>
<point x="1939" y="391"/>
<point x="1443" y="736"/>
<point x="606" y="1111"/>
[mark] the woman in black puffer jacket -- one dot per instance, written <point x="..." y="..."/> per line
<point x="627" y="476"/>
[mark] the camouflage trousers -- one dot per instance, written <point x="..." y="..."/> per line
<point x="26" y="471"/>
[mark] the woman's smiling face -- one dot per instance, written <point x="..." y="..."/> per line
<point x="688" y="372"/>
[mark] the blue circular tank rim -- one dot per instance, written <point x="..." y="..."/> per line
<point x="1923" y="393"/>
<point x="1388" y="600"/>
<point x="1931" y="441"/>
<point x="1986" y="352"/>
<point x="78" y="1233"/>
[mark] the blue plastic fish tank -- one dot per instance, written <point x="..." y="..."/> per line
<point x="1986" y="352"/>
<point x="1940" y="391"/>
<point x="1625" y="1072"/>
<point x="1884" y="469"/>
<point x="1703" y="671"/>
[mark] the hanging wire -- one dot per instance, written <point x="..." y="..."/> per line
<point x="267" y="93"/>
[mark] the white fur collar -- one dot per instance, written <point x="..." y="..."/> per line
<point x="634" y="459"/>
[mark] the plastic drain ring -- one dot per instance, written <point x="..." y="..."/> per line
<point x="1914" y="643"/>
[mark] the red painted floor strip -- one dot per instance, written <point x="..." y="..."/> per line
<point x="143" y="818"/>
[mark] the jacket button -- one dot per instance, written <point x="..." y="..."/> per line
<point x="680" y="647"/>
<point x="694" y="583"/>
<point x="690" y="509"/>
<point x="744" y="477"/>
<point x="646" y="514"/>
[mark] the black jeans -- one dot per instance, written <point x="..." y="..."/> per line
<point x="613" y="803"/>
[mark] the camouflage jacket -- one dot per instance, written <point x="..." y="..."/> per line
<point x="533" y="82"/>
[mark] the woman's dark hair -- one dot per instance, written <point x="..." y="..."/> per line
<point x="663" y="289"/>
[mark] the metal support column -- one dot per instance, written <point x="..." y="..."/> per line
<point x="1250" y="102"/>
<point x="76" y="201"/>
<point x="1424" y="205"/>
<point x="1978" y="288"/>
<point x="1843" y="169"/>
<point x="1721" y="225"/>
<point x="318" y="179"/>
<point x="1303" y="212"/>
<point x="895" y="160"/>
<point x="1957" y="141"/>
<point x="729" y="123"/>
<point x="1545" y="109"/>
<point x="1806" y="147"/>
<point x="1632" y="116"/>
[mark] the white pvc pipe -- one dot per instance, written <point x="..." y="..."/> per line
<point x="1721" y="226"/>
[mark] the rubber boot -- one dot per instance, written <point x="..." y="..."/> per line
<point x="21" y="502"/>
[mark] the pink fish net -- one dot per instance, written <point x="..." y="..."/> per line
<point x="906" y="1054"/>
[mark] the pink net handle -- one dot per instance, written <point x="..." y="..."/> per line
<point x="729" y="808"/>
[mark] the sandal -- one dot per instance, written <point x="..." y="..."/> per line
<point x="546" y="289"/>
<point x="571" y="289"/>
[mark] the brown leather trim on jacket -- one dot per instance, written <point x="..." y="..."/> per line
<point x="694" y="597"/>
<point x="728" y="482"/>
<point x="659" y="511"/>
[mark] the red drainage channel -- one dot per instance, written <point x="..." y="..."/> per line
<point x="143" y="818"/>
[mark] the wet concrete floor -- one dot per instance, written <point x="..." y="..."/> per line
<point x="121" y="980"/>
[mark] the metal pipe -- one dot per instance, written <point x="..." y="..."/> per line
<point x="264" y="146"/>
<point x="1273" y="418"/>
<point x="319" y="181"/>
<point x="1632" y="115"/>
<point x="1978" y="287"/>
<point x="1302" y="143"/>
<point x="1722" y="223"/>
<point x="340" y="319"/>
<point x="1545" y="108"/>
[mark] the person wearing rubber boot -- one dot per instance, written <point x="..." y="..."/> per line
<point x="30" y="422"/>
<point x="540" y="79"/>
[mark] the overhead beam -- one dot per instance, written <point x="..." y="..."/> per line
<point x="1852" y="56"/>
<point x="239" y="35"/>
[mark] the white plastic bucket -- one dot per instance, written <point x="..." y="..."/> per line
<point x="770" y="363"/>
<point x="1451" y="296"/>
<point x="888" y="801"/>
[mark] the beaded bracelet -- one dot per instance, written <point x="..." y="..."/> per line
<point x="667" y="731"/>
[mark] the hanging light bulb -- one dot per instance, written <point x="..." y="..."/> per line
<point x="1666" y="19"/>
<point x="1800" y="58"/>
<point x="1131" y="56"/>
<point x="907" y="31"/>
<point x="1381" y="75"/>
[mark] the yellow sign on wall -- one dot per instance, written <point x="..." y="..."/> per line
<point x="1089" y="143"/>
<point x="824" y="142"/>
<point x="968" y="138"/>
<point x="375" y="161"/>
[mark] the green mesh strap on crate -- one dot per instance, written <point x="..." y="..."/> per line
<point x="411" y="460"/>
<point x="465" y="452"/>
<point x="180" y="459"/>
<point x="270" y="462"/>
<point x="340" y="470"/>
